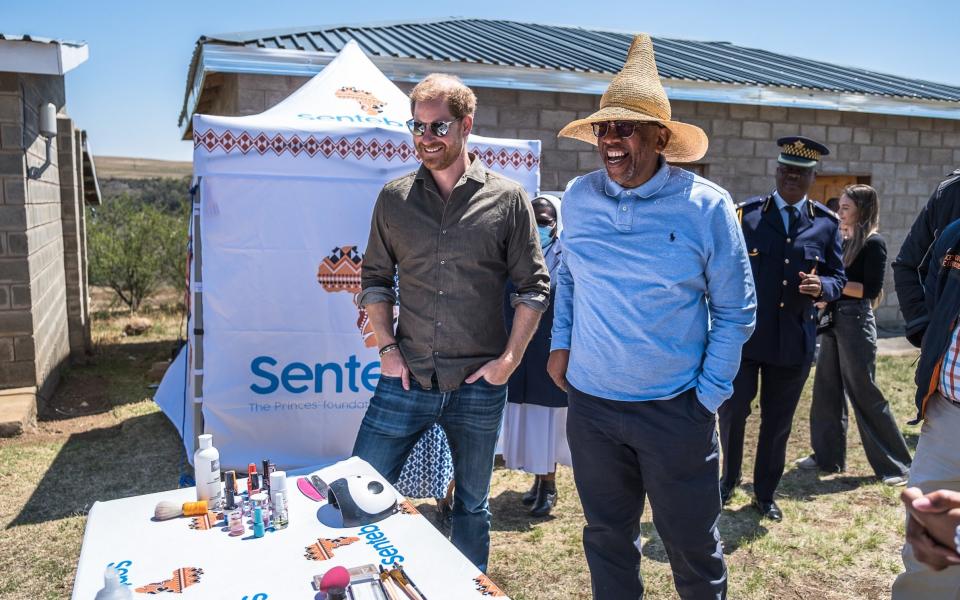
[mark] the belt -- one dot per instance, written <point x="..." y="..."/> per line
<point x="852" y="301"/>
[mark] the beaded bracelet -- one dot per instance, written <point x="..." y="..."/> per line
<point x="956" y="539"/>
<point x="389" y="348"/>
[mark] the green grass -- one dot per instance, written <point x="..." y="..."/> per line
<point x="840" y="538"/>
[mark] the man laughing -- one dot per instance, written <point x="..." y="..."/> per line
<point x="654" y="300"/>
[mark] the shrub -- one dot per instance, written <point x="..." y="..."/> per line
<point x="136" y="248"/>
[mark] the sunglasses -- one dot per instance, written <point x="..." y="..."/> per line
<point x="437" y="128"/>
<point x="624" y="129"/>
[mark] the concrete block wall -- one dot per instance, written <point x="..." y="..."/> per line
<point x="252" y="94"/>
<point x="33" y="320"/>
<point x="71" y="215"/>
<point x="84" y="284"/>
<point x="17" y="367"/>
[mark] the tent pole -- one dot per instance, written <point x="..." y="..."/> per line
<point x="197" y="317"/>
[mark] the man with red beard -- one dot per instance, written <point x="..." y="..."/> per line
<point x="454" y="232"/>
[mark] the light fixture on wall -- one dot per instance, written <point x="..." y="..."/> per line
<point x="48" y="129"/>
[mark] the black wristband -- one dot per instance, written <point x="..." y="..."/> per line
<point x="389" y="348"/>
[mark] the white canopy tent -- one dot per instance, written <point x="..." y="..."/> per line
<point x="281" y="362"/>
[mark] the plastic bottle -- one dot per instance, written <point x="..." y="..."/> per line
<point x="112" y="588"/>
<point x="206" y="467"/>
<point x="278" y="483"/>
<point x="236" y="523"/>
<point x="280" y="519"/>
<point x="258" y="523"/>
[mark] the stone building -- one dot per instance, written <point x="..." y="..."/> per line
<point x="900" y="135"/>
<point x="44" y="184"/>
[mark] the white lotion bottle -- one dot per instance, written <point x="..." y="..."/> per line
<point x="113" y="589"/>
<point x="206" y="468"/>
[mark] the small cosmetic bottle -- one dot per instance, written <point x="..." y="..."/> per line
<point x="258" y="527"/>
<point x="236" y="523"/>
<point x="280" y="520"/>
<point x="230" y="490"/>
<point x="259" y="500"/>
<point x="253" y="480"/>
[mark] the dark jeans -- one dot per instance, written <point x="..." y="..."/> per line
<point x="780" y="389"/>
<point x="470" y="416"/>
<point x="667" y="449"/>
<point x="847" y="365"/>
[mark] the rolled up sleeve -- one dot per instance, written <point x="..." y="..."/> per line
<point x="733" y="307"/>
<point x="379" y="262"/>
<point x="525" y="263"/>
<point x="562" y="307"/>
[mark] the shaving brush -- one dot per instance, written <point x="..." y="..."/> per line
<point x="169" y="510"/>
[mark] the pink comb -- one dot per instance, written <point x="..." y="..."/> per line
<point x="309" y="490"/>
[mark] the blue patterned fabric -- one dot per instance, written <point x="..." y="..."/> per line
<point x="429" y="468"/>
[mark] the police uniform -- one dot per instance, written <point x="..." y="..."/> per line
<point x="781" y="350"/>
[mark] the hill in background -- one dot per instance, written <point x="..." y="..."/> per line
<point x="162" y="183"/>
<point x="118" y="167"/>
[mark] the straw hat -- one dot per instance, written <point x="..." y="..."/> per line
<point x="636" y="94"/>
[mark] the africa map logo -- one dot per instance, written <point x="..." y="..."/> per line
<point x="367" y="101"/>
<point x="340" y="272"/>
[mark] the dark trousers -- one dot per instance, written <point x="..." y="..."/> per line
<point x="847" y="365"/>
<point x="624" y="451"/>
<point x="780" y="389"/>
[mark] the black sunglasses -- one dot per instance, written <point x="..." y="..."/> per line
<point x="437" y="128"/>
<point x="624" y="129"/>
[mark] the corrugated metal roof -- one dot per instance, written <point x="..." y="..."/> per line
<point x="10" y="37"/>
<point x="575" y="49"/>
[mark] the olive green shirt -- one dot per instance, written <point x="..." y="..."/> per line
<point x="450" y="262"/>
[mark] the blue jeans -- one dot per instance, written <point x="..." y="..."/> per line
<point x="470" y="416"/>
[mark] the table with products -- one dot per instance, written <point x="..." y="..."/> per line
<point x="197" y="557"/>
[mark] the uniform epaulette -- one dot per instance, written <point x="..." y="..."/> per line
<point x="824" y="209"/>
<point x="747" y="204"/>
<point x="750" y="202"/>
<point x="952" y="178"/>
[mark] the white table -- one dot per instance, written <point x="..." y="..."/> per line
<point x="210" y="564"/>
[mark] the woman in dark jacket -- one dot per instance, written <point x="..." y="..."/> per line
<point x="534" y="435"/>
<point x="846" y="364"/>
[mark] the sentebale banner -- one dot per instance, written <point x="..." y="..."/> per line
<point x="287" y="358"/>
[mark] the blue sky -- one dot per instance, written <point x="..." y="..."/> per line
<point x="129" y="93"/>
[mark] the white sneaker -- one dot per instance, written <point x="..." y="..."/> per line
<point x="895" y="480"/>
<point x="808" y="463"/>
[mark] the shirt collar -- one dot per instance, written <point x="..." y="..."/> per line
<point x="647" y="189"/>
<point x="475" y="171"/>
<point x="781" y="203"/>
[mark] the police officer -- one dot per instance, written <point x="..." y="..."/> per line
<point x="796" y="258"/>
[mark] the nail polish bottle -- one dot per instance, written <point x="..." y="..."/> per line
<point x="279" y="511"/>
<point x="237" y="527"/>
<point x="258" y="523"/>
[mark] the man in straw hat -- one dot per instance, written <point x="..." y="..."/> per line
<point x="653" y="302"/>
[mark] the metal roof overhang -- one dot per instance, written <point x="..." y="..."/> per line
<point x="215" y="58"/>
<point x="47" y="57"/>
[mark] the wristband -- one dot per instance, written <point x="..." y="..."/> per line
<point x="389" y="348"/>
<point x="956" y="540"/>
